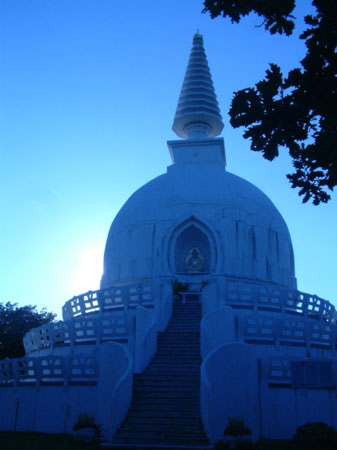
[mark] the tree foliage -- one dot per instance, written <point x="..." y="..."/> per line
<point x="15" y="321"/>
<point x="297" y="111"/>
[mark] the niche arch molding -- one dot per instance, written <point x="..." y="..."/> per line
<point x="185" y="235"/>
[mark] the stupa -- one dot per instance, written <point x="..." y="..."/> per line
<point x="198" y="313"/>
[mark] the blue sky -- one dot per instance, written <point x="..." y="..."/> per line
<point x="88" y="92"/>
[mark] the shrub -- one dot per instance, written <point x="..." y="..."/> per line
<point x="315" y="436"/>
<point x="244" y="445"/>
<point x="221" y="445"/>
<point x="179" y="287"/>
<point x="87" y="421"/>
<point x="236" y="427"/>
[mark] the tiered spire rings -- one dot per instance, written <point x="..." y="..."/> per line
<point x="198" y="114"/>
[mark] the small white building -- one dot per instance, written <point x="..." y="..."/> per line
<point x="194" y="234"/>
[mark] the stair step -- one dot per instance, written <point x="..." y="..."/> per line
<point x="172" y="358"/>
<point x="168" y="372"/>
<point x="167" y="396"/>
<point x="154" y="404"/>
<point x="158" y="410"/>
<point x="156" y="446"/>
<point x="174" y="382"/>
<point x="175" y="355"/>
<point x="163" y="414"/>
<point x="162" y="427"/>
<point x="188" y="336"/>
<point x="174" y="368"/>
<point x="175" y="362"/>
<point x="162" y="436"/>
<point x="177" y="344"/>
<point x="166" y="442"/>
<point x="169" y="376"/>
<point x="147" y="443"/>
<point x="163" y="420"/>
<point x="162" y="370"/>
<point x="165" y="407"/>
<point x="166" y="391"/>
<point x="158" y="378"/>
<point x="184" y="338"/>
<point x="165" y="381"/>
<point x="170" y="347"/>
<point x="170" y="398"/>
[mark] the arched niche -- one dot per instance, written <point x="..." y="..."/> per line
<point x="192" y="249"/>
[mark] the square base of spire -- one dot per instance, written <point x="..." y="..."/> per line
<point x="193" y="151"/>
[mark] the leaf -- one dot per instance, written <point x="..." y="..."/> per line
<point x="297" y="112"/>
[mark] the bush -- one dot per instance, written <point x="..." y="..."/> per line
<point x="237" y="435"/>
<point x="236" y="427"/>
<point x="84" y="422"/>
<point x="221" y="445"/>
<point x="244" y="445"/>
<point x="15" y="321"/>
<point x="315" y="436"/>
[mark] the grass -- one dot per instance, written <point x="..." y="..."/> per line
<point x="39" y="441"/>
<point x="42" y="441"/>
<point x="269" y="444"/>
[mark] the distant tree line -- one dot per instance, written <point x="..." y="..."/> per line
<point x="15" y="321"/>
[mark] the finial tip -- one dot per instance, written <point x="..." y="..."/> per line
<point x="198" y="36"/>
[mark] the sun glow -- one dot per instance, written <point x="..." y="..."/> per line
<point x="88" y="273"/>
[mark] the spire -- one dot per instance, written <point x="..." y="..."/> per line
<point x="198" y="114"/>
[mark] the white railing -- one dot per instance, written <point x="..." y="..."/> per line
<point x="280" y="371"/>
<point x="261" y="296"/>
<point x="87" y="330"/>
<point x="302" y="373"/>
<point x="111" y="299"/>
<point x="26" y="371"/>
<point x="289" y="331"/>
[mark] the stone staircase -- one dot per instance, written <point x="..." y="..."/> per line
<point x="165" y="407"/>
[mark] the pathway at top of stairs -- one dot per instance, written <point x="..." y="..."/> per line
<point x="165" y="407"/>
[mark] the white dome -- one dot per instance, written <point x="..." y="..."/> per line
<point x="237" y="229"/>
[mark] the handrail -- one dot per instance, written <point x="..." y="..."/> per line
<point x="292" y="371"/>
<point x="29" y="371"/>
<point x="290" y="331"/>
<point x="269" y="297"/>
<point x="84" y="330"/>
<point x="109" y="299"/>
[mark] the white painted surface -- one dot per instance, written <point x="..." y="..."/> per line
<point x="52" y="408"/>
<point x="246" y="233"/>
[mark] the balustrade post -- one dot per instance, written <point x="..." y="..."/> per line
<point x="222" y="286"/>
<point x="333" y="339"/>
<point x="82" y="305"/>
<point x="321" y="305"/>
<point x="277" y="332"/>
<point x="67" y="371"/>
<point x="51" y="332"/>
<point x="125" y="295"/>
<point x="132" y="319"/>
<point x="254" y="298"/>
<point x="71" y="333"/>
<point x="100" y="301"/>
<point x="307" y="335"/>
<point x="15" y="369"/>
<point x="38" y="372"/>
<point x="140" y="294"/>
<point x="98" y="330"/>
<point x="305" y="303"/>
